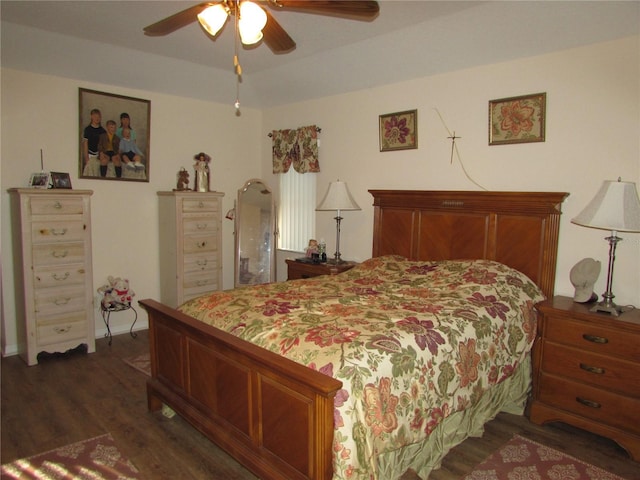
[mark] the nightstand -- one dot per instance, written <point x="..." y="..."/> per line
<point x="586" y="371"/>
<point x="296" y="270"/>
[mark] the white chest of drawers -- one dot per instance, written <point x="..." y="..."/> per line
<point x="54" y="273"/>
<point x="190" y="245"/>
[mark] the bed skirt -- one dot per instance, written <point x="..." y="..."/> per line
<point x="509" y="396"/>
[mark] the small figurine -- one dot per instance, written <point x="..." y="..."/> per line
<point x="202" y="172"/>
<point x="183" y="180"/>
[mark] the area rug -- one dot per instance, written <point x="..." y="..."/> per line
<point x="94" y="459"/>
<point x="142" y="363"/>
<point x="524" y="459"/>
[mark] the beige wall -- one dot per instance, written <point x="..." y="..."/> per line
<point x="41" y="112"/>
<point x="593" y="120"/>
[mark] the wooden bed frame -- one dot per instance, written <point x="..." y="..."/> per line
<point x="276" y="416"/>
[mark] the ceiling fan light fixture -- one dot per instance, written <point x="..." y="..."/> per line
<point x="252" y="20"/>
<point x="213" y="18"/>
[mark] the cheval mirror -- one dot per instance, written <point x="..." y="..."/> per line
<point x="255" y="235"/>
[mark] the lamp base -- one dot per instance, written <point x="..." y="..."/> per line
<point x="609" y="307"/>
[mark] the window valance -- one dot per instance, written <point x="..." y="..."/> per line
<point x="297" y="147"/>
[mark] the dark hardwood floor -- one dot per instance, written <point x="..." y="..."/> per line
<point x="76" y="396"/>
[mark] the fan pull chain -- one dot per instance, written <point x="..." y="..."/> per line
<point x="236" y="59"/>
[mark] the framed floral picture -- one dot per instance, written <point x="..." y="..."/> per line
<point x="398" y="131"/>
<point x="517" y="119"/>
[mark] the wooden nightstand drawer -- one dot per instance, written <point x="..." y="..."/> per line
<point x="594" y="403"/>
<point x="586" y="371"/>
<point x="608" y="372"/>
<point x="592" y="337"/>
<point x="299" y="270"/>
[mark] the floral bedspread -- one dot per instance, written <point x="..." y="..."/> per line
<point x="412" y="342"/>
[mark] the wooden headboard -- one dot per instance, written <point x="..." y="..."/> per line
<point x="519" y="229"/>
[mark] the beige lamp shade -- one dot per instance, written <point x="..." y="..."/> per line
<point x="615" y="207"/>
<point x="338" y="198"/>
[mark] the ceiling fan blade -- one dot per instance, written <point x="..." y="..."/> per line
<point x="176" y="21"/>
<point x="356" y="9"/>
<point x="275" y="36"/>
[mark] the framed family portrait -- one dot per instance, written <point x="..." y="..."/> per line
<point x="517" y="119"/>
<point x="60" y="180"/>
<point x="114" y="134"/>
<point x="398" y="131"/>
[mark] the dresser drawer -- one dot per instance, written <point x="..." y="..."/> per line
<point x="612" y="373"/>
<point x="592" y="337"/>
<point x="58" y="254"/>
<point x="57" y="206"/>
<point x="199" y="225"/>
<point x="45" y="277"/>
<point x="200" y="244"/>
<point x="47" y="232"/>
<point x="208" y="204"/>
<point x="195" y="285"/>
<point x="62" y="329"/>
<point x="591" y="402"/>
<point x="198" y="263"/>
<point x="56" y="301"/>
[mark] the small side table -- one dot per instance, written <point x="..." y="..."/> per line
<point x="118" y="307"/>
<point x="297" y="270"/>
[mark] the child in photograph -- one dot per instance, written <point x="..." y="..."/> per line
<point x="129" y="151"/>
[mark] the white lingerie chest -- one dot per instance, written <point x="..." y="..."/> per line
<point x="53" y="270"/>
<point x="190" y="245"/>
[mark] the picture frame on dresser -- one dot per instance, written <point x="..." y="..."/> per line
<point x="39" y="180"/>
<point x="60" y="180"/>
<point x="96" y="110"/>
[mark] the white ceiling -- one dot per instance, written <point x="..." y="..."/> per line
<point x="408" y="39"/>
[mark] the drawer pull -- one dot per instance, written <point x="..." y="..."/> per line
<point x="62" y="254"/>
<point x="202" y="244"/>
<point x="61" y="277"/>
<point x="57" y="205"/>
<point x="591" y="369"/>
<point x="62" y="301"/>
<point x="201" y="205"/>
<point x="59" y="232"/>
<point x="201" y="283"/>
<point x="62" y="329"/>
<point x="201" y="226"/>
<point x="588" y="403"/>
<point x="202" y="263"/>
<point x="594" y="338"/>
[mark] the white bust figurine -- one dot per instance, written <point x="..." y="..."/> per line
<point x="583" y="276"/>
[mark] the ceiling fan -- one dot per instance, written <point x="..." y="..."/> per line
<point x="213" y="15"/>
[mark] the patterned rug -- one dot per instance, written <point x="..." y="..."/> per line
<point x="524" y="459"/>
<point x="142" y="363"/>
<point x="94" y="459"/>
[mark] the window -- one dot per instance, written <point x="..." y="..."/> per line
<point x="297" y="216"/>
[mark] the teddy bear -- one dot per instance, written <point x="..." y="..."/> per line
<point x="183" y="180"/>
<point x="115" y="293"/>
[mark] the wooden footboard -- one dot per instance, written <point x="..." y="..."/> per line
<point x="271" y="414"/>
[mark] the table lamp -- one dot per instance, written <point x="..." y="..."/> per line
<point x="615" y="207"/>
<point x="337" y="198"/>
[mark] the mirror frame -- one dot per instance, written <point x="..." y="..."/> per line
<point x="238" y="232"/>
